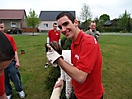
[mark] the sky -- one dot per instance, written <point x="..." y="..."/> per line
<point x="113" y="8"/>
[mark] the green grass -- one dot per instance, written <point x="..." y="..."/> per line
<point x="116" y="71"/>
<point x="117" y="66"/>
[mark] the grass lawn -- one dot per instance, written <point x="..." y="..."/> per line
<point x="116" y="71"/>
<point x="117" y="66"/>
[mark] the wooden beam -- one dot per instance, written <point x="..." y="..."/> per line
<point x="56" y="93"/>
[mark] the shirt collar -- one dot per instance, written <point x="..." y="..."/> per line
<point x="78" y="39"/>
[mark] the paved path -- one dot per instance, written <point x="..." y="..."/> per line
<point x="34" y="33"/>
<point x="29" y="34"/>
<point x="127" y="34"/>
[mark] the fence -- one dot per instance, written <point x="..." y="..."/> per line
<point x="29" y="30"/>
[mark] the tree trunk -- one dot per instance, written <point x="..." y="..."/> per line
<point x="33" y="30"/>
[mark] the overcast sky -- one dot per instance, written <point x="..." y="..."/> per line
<point x="113" y="8"/>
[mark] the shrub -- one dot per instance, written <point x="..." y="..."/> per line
<point x="54" y="73"/>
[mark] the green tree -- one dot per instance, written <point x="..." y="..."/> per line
<point x="103" y="18"/>
<point x="96" y="19"/>
<point x="124" y="21"/>
<point x="128" y="27"/>
<point x="32" y="20"/>
<point x="85" y="13"/>
<point x="98" y="24"/>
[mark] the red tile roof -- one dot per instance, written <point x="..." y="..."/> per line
<point x="11" y="13"/>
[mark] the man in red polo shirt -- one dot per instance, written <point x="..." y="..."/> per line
<point x="2" y="87"/>
<point x="11" y="71"/>
<point x="86" y="58"/>
<point x="53" y="35"/>
<point x="6" y="55"/>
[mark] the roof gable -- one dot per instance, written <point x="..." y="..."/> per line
<point x="51" y="15"/>
<point x="12" y="13"/>
<point x="113" y="22"/>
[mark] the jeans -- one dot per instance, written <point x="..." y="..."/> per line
<point x="12" y="73"/>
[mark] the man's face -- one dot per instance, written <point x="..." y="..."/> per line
<point x="92" y="26"/>
<point x="2" y="27"/>
<point x="3" y="65"/>
<point x="55" y="27"/>
<point x="67" y="28"/>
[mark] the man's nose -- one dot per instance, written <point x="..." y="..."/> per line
<point x="63" y="28"/>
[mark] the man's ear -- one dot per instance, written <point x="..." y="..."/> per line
<point x="76" y="22"/>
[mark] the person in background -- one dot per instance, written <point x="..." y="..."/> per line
<point x="11" y="72"/>
<point x="64" y="76"/>
<point x="6" y="55"/>
<point x="92" y="31"/>
<point x="86" y="71"/>
<point x="53" y="35"/>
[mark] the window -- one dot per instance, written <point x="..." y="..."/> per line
<point x="13" y="24"/>
<point x="24" y="17"/>
<point x="45" y="25"/>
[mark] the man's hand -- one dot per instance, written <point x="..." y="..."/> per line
<point x="17" y="64"/>
<point x="59" y="84"/>
<point x="52" y="55"/>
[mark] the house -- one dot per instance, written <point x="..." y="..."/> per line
<point x="111" y="23"/>
<point x="48" y="18"/>
<point x="13" y="18"/>
<point x="111" y="26"/>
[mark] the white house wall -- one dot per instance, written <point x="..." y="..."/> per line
<point x="42" y="28"/>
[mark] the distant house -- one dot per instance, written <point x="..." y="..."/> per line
<point x="111" y="23"/>
<point x="48" y="18"/>
<point x="13" y="18"/>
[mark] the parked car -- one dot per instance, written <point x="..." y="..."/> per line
<point x="14" y="31"/>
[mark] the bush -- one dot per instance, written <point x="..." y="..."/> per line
<point x="65" y="43"/>
<point x="54" y="73"/>
<point x="111" y="29"/>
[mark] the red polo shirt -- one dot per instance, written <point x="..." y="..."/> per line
<point x="11" y="39"/>
<point x="54" y="35"/>
<point x="2" y="87"/>
<point x="86" y="56"/>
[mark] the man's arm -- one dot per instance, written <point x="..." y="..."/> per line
<point x="3" y="96"/>
<point x="97" y="35"/>
<point x="72" y="71"/>
<point x="17" y="60"/>
<point x="48" y="39"/>
<point x="60" y="41"/>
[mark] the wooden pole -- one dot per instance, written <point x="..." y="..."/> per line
<point x="56" y="91"/>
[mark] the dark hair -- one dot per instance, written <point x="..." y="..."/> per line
<point x="55" y="45"/>
<point x="66" y="13"/>
<point x="1" y="21"/>
<point x="92" y="22"/>
<point x="6" y="49"/>
<point x="54" y="24"/>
